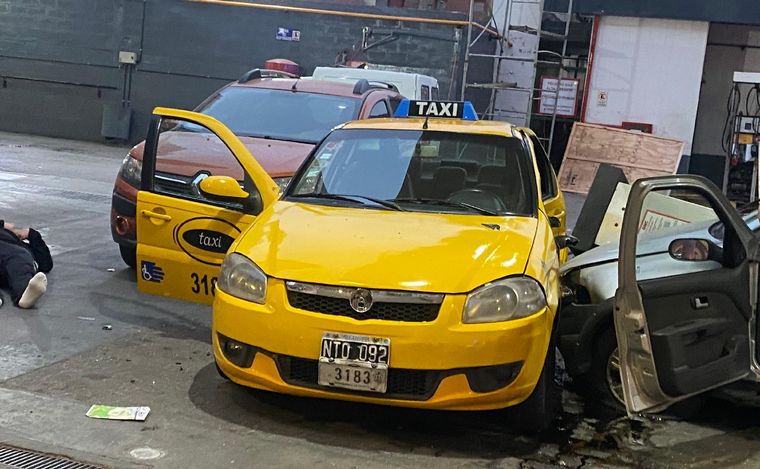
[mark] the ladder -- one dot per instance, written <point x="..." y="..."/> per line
<point x="516" y="60"/>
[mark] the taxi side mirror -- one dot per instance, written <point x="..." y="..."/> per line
<point x="554" y="222"/>
<point x="565" y="241"/>
<point x="223" y="187"/>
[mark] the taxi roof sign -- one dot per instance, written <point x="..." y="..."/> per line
<point x="447" y="109"/>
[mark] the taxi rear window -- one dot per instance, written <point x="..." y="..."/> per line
<point x="279" y="114"/>
<point x="423" y="171"/>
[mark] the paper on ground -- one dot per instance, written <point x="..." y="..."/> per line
<point x="98" y="411"/>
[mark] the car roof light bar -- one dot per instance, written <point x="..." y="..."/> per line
<point x="463" y="110"/>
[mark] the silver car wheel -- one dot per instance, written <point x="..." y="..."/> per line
<point x="614" y="380"/>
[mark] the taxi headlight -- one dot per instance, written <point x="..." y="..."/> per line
<point x="502" y="300"/>
<point x="131" y="170"/>
<point x="282" y="183"/>
<point x="242" y="278"/>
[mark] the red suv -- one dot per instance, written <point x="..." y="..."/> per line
<point x="279" y="117"/>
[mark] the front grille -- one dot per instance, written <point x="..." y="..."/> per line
<point x="406" y="312"/>
<point x="418" y="385"/>
<point x="173" y="184"/>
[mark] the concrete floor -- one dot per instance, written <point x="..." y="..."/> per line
<point x="57" y="360"/>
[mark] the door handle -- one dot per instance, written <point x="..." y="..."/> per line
<point x="700" y="302"/>
<point x="160" y="216"/>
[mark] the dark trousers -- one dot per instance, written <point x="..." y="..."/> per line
<point x="16" y="269"/>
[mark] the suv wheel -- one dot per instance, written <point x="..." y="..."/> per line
<point x="128" y="255"/>
<point x="604" y="384"/>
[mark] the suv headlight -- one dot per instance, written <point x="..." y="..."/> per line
<point x="282" y="183"/>
<point x="131" y="170"/>
<point x="242" y="278"/>
<point x="502" y="300"/>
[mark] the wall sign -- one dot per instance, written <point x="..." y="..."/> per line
<point x="287" y="34"/>
<point x="567" y="99"/>
<point x="601" y="98"/>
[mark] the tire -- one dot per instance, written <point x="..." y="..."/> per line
<point x="601" y="384"/>
<point x="128" y="255"/>
<point x="536" y="414"/>
<point x="604" y="385"/>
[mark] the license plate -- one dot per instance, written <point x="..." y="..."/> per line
<point x="354" y="362"/>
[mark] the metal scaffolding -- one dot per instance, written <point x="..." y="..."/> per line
<point x="510" y="57"/>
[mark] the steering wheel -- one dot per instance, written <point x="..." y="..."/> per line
<point x="479" y="198"/>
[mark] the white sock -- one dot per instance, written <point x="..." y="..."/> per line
<point x="36" y="288"/>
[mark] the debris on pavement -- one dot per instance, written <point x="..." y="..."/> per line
<point x="107" y="327"/>
<point x="99" y="411"/>
<point x="111" y="270"/>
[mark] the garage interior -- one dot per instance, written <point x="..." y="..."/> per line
<point x="730" y="48"/>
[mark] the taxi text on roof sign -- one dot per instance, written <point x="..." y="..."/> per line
<point x="449" y="109"/>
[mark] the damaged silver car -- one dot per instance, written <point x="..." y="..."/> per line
<point x="693" y="280"/>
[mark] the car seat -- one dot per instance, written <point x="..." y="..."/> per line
<point x="505" y="183"/>
<point x="446" y="181"/>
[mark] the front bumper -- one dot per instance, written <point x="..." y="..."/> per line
<point x="441" y="364"/>
<point x="123" y="213"/>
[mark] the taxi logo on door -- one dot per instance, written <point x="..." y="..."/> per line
<point x="206" y="239"/>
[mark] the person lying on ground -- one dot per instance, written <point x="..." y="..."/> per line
<point x="24" y="261"/>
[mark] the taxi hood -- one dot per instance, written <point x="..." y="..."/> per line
<point x="371" y="248"/>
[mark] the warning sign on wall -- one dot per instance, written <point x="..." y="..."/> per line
<point x="568" y="96"/>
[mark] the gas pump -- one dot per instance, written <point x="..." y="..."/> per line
<point x="741" y="138"/>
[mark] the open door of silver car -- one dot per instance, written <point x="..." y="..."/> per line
<point x="685" y="334"/>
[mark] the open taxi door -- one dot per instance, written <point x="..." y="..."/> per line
<point x="200" y="189"/>
<point x="684" y="334"/>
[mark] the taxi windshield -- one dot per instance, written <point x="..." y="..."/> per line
<point x="278" y="114"/>
<point x="423" y="171"/>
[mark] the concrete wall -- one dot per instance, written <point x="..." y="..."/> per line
<point x="59" y="67"/>
<point x="651" y="71"/>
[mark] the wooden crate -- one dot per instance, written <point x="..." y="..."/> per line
<point x="637" y="154"/>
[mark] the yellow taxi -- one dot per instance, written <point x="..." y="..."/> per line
<point x="412" y="261"/>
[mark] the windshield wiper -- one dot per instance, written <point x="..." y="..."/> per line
<point x="281" y="139"/>
<point x="351" y="198"/>
<point x="448" y="203"/>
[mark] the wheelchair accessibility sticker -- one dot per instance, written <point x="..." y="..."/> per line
<point x="151" y="272"/>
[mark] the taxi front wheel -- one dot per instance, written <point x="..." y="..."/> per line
<point x="536" y="414"/>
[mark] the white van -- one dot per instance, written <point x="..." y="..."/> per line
<point x="410" y="85"/>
